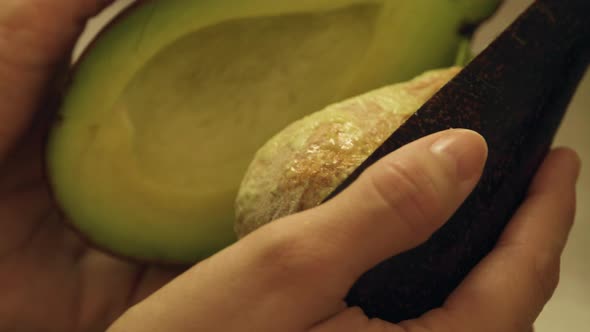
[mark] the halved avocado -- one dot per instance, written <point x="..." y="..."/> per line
<point x="168" y="106"/>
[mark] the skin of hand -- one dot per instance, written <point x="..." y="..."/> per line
<point x="290" y="275"/>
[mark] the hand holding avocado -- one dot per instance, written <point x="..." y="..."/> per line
<point x="288" y="275"/>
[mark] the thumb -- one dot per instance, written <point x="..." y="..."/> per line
<point x="294" y="272"/>
<point x="394" y="206"/>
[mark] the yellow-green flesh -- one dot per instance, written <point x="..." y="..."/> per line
<point x="169" y="106"/>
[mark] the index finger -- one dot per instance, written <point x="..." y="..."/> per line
<point x="510" y="287"/>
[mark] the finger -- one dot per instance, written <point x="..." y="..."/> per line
<point x="509" y="288"/>
<point x="394" y="206"/>
<point x="297" y="270"/>
<point x="35" y="37"/>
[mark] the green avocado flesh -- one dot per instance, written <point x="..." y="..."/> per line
<point x="168" y="106"/>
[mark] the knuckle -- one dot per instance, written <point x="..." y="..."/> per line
<point x="291" y="257"/>
<point x="411" y="194"/>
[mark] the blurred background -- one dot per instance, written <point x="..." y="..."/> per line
<point x="569" y="310"/>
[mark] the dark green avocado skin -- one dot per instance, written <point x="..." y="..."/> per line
<point x="515" y="94"/>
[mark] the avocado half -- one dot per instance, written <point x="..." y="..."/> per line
<point x="169" y="104"/>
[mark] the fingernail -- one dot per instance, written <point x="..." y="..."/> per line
<point x="465" y="152"/>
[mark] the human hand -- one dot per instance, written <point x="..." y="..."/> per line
<point x="293" y="274"/>
<point x="49" y="279"/>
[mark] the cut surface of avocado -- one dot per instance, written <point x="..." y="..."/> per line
<point x="168" y="106"/>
